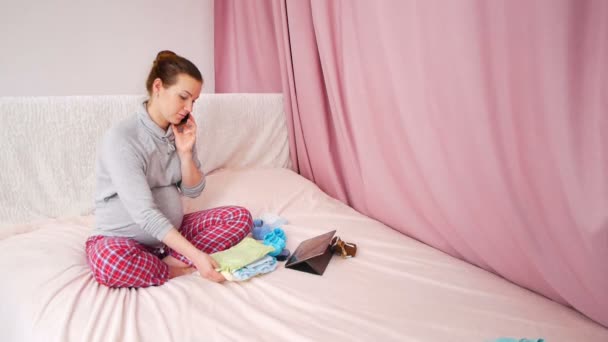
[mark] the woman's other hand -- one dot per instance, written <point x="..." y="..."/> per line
<point x="206" y="266"/>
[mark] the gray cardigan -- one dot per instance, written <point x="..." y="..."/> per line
<point x="138" y="181"/>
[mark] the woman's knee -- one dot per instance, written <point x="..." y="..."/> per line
<point x="115" y="262"/>
<point x="104" y="256"/>
<point x="243" y="216"/>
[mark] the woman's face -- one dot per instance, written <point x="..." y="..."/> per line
<point x="176" y="101"/>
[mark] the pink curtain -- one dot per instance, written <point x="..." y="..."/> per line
<point x="477" y="127"/>
<point x="245" y="51"/>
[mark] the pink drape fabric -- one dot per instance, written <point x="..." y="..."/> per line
<point x="245" y="47"/>
<point x="477" y="127"/>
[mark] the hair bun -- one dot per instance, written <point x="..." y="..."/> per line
<point x="167" y="66"/>
<point x="165" y="54"/>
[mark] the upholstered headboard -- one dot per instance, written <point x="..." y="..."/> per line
<point x="47" y="156"/>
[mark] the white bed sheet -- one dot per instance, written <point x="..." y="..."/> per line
<point x="396" y="289"/>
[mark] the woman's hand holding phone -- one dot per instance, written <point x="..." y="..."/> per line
<point x="185" y="135"/>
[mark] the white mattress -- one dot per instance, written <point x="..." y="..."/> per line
<point x="396" y="289"/>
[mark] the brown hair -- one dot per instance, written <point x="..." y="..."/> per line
<point x="167" y="66"/>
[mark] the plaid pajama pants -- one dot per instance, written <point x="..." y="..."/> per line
<point x="124" y="262"/>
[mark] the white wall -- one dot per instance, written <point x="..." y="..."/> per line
<point x="89" y="47"/>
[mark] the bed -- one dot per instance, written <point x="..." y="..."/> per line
<point x="395" y="289"/>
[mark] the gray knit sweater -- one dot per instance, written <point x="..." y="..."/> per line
<point x="139" y="181"/>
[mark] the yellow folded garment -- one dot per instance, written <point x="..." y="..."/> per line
<point x="240" y="255"/>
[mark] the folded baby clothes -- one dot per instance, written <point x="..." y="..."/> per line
<point x="265" y="225"/>
<point x="277" y="240"/>
<point x="265" y="265"/>
<point x="273" y="220"/>
<point x="240" y="255"/>
<point x="260" y="229"/>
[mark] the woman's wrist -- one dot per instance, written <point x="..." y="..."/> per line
<point x="180" y="244"/>
<point x="185" y="157"/>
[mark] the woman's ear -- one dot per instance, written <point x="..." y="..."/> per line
<point x="156" y="86"/>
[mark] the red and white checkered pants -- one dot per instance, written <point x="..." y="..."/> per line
<point x="124" y="262"/>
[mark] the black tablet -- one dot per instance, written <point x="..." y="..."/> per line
<point x="312" y="255"/>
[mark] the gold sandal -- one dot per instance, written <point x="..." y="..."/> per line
<point x="346" y="249"/>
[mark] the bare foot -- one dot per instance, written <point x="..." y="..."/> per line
<point x="176" y="267"/>
<point x="171" y="261"/>
<point x="179" y="271"/>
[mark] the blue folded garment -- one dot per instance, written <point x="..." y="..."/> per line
<point x="264" y="265"/>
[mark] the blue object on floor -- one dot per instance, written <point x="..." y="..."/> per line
<point x="276" y="239"/>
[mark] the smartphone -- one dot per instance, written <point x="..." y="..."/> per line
<point x="184" y="120"/>
<point x="180" y="125"/>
